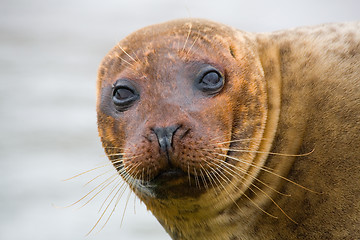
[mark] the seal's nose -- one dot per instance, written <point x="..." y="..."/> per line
<point x="165" y="137"/>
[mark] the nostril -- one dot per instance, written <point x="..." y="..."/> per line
<point x="165" y="137"/>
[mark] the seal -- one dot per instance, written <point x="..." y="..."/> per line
<point x="226" y="134"/>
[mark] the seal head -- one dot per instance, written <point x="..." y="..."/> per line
<point x="167" y="115"/>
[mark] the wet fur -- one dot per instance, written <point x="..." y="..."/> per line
<point x="301" y="92"/>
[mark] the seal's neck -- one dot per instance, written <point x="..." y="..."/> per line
<point x="196" y="219"/>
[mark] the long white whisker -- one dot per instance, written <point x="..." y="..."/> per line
<point x="268" y="171"/>
<point x="126" y="53"/>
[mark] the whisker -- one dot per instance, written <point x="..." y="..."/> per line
<point x="134" y="203"/>
<point x="255" y="178"/>
<point x="115" y="154"/>
<point x="98" y="186"/>
<point x="224" y="155"/>
<point x="102" y="215"/>
<point x="268" y="171"/>
<point x="126" y="53"/>
<point x="142" y="180"/>
<point x="215" y="174"/>
<point x="101" y="189"/>
<point x="262" y="191"/>
<point x="211" y="180"/>
<point x="197" y="182"/>
<point x="189" y="174"/>
<point x="102" y="174"/>
<point x="187" y="37"/>
<point x="137" y="59"/>
<point x="243" y="171"/>
<point x="120" y="182"/>
<point x="119" y="160"/>
<point x="114" y="148"/>
<point x="203" y="178"/>
<point x="270" y="153"/>
<point x="243" y="193"/>
<point x="124" y="60"/>
<point x="215" y="138"/>
<point x="127" y="201"/>
<point x="221" y="184"/>
<point x="193" y="44"/>
<point x="240" y="140"/>
<point x="93" y="169"/>
<point x="148" y="173"/>
<point x="115" y="205"/>
<point x="119" y="194"/>
<point x="128" y="169"/>
<point x="116" y="161"/>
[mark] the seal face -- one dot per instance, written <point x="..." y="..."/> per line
<point x="168" y="108"/>
<point x="204" y="123"/>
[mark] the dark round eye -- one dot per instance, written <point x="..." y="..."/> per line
<point x="124" y="95"/>
<point x="210" y="81"/>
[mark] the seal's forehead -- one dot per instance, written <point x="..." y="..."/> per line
<point x="168" y="45"/>
<point x="179" y="29"/>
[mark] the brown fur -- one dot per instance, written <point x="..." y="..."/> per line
<point x="294" y="92"/>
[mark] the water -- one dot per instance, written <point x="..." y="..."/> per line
<point x="49" y="54"/>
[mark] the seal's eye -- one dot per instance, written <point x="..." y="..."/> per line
<point x="124" y="95"/>
<point x="210" y="81"/>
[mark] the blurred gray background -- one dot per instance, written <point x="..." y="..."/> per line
<point x="49" y="54"/>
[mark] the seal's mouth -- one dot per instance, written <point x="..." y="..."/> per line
<point x="173" y="183"/>
<point x="169" y="176"/>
